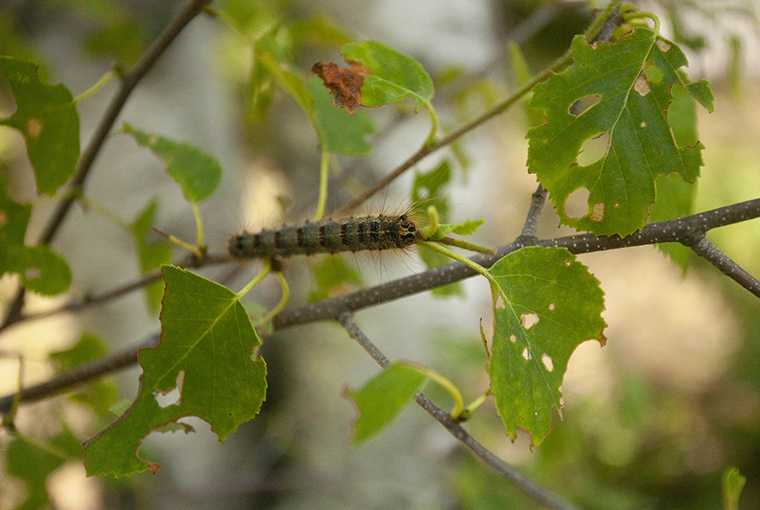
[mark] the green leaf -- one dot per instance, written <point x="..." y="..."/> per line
<point x="383" y="398"/>
<point x="197" y="172"/>
<point x="529" y="358"/>
<point x="523" y="75"/>
<point x="339" y="133"/>
<point x="675" y="197"/>
<point x="466" y="228"/>
<point x="206" y="349"/>
<point x="47" y="118"/>
<point x="632" y="81"/>
<point x="317" y="30"/>
<point x="289" y="81"/>
<point x="40" y="268"/>
<point x="99" y="394"/>
<point x="732" y="483"/>
<point x="428" y="190"/>
<point x="394" y="77"/>
<point x="331" y="274"/>
<point x="32" y="464"/>
<point x="151" y="253"/>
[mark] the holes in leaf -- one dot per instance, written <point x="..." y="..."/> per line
<point x="664" y="46"/>
<point x="597" y="213"/>
<point x="643" y="124"/>
<point x="513" y="339"/>
<point x="547" y="361"/>
<point x="641" y="85"/>
<point x="593" y="149"/>
<point x="576" y="205"/>
<point x="552" y="306"/>
<point x="32" y="273"/>
<point x="529" y="320"/>
<point x="526" y="353"/>
<point x="34" y="127"/>
<point x="584" y="104"/>
<point x="171" y="397"/>
<point x="500" y="303"/>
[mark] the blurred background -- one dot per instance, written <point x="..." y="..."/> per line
<point x="652" y="420"/>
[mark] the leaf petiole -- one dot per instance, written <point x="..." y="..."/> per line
<point x="434" y="129"/>
<point x="283" y="301"/>
<point x="98" y="85"/>
<point x="256" y="280"/>
<point x="324" y="173"/>
<point x="447" y="385"/>
<point x="496" y="290"/>
<point x="199" y="227"/>
<point x="644" y="14"/>
<point x="450" y="241"/>
<point x="467" y="411"/>
<point x="179" y="242"/>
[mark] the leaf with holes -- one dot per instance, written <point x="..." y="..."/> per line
<point x="207" y="354"/>
<point x="384" y="397"/>
<point x="617" y="96"/>
<point x="197" y="172"/>
<point x="47" y="117"/>
<point x="553" y="304"/>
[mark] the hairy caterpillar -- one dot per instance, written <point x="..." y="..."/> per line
<point x="379" y="232"/>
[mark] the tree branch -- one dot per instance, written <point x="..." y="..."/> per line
<point x="128" y="83"/>
<point x="683" y="230"/>
<point x="723" y="262"/>
<point x="532" y="489"/>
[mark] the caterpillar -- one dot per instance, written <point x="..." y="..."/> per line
<point x="379" y="232"/>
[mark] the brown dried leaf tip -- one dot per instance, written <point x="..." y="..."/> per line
<point x="344" y="83"/>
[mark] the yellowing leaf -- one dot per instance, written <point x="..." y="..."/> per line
<point x="623" y="91"/>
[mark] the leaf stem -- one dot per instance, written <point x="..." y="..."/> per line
<point x="324" y="173"/>
<point x="198" y="227"/>
<point x="98" y="85"/>
<point x="427" y="232"/>
<point x="104" y="211"/>
<point x="195" y="250"/>
<point x="434" y="129"/>
<point x="644" y="14"/>
<point x="444" y="383"/>
<point x="256" y="280"/>
<point x="496" y="290"/>
<point x="465" y="245"/>
<point x="283" y="301"/>
<point x="472" y="406"/>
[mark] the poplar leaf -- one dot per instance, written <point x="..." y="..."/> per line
<point x="394" y="75"/>
<point x="197" y="172"/>
<point x="339" y="133"/>
<point x="151" y="251"/>
<point x="623" y="91"/>
<point x="47" y="117"/>
<point x="553" y="304"/>
<point x="384" y="398"/>
<point x="378" y="75"/>
<point x="206" y="352"/>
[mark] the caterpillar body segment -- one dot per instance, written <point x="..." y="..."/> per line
<point x="379" y="232"/>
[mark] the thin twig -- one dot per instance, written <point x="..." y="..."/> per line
<point x="537" y="492"/>
<point x="723" y="262"/>
<point x="128" y="83"/>
<point x="682" y="230"/>
<point x="537" y="201"/>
